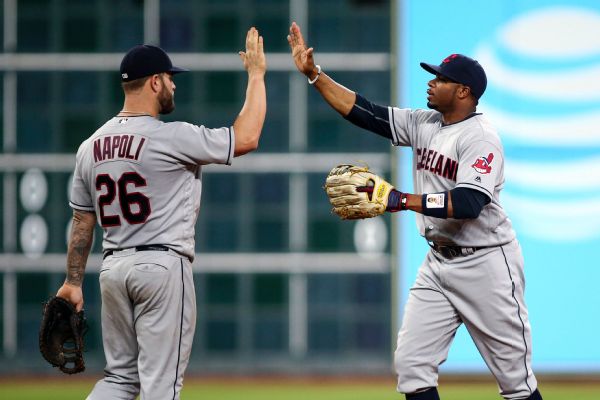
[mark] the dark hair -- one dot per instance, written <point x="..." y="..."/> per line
<point x="135" y="85"/>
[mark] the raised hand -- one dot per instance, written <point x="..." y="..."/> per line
<point x="303" y="57"/>
<point x="254" y="57"/>
<point x="249" y="122"/>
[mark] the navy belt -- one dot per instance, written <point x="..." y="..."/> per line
<point x="146" y="247"/>
<point x="455" y="251"/>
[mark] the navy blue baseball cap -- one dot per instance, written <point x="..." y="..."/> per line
<point x="462" y="69"/>
<point x="145" y="60"/>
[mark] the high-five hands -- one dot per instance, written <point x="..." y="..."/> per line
<point x="303" y="57"/>
<point x="254" y="56"/>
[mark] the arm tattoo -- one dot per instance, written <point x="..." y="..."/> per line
<point x="80" y="244"/>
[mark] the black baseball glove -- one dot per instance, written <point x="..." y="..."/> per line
<point x="61" y="335"/>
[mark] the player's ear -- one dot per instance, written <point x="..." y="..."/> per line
<point x="464" y="92"/>
<point x="155" y="83"/>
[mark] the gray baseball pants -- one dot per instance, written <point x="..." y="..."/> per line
<point x="485" y="291"/>
<point x="148" y="323"/>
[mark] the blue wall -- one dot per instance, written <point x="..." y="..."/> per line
<point x="543" y="64"/>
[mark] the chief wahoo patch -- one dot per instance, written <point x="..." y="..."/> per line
<point x="482" y="165"/>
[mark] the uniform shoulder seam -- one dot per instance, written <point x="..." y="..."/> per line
<point x="483" y="135"/>
<point x="482" y="131"/>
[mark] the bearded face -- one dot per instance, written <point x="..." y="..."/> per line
<point x="166" y="97"/>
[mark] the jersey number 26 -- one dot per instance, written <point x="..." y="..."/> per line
<point x="126" y="199"/>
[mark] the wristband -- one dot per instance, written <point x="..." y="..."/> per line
<point x="435" y="205"/>
<point x="396" y="201"/>
<point x="312" y="81"/>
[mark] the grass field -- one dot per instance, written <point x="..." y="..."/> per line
<point x="290" y="389"/>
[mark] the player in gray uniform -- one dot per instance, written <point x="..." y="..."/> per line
<point x="473" y="273"/>
<point x="140" y="178"/>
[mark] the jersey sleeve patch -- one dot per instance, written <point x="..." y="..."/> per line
<point x="482" y="168"/>
<point x="483" y="164"/>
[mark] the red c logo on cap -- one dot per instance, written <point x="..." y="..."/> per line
<point x="450" y="57"/>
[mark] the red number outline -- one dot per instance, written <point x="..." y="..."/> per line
<point x="107" y="199"/>
<point x="125" y="199"/>
<point x="130" y="198"/>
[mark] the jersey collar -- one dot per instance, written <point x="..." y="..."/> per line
<point x="464" y="119"/>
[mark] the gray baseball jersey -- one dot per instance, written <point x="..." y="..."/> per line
<point x="142" y="177"/>
<point x="482" y="288"/>
<point x="466" y="154"/>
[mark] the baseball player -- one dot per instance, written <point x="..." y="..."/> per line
<point x="140" y="178"/>
<point x="473" y="273"/>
